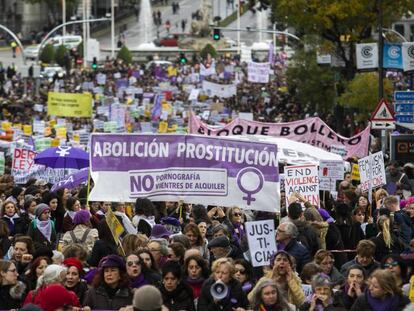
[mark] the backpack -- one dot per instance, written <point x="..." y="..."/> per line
<point x="82" y="240"/>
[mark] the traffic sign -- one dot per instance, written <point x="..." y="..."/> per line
<point x="383" y="125"/>
<point x="382" y="112"/>
<point x="404" y="95"/>
<point x="405" y="108"/>
<point x="406" y="118"/>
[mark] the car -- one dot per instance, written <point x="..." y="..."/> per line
<point x="32" y="52"/>
<point x="169" y="40"/>
<point x="70" y="42"/>
<point x="50" y="71"/>
<point x="162" y="63"/>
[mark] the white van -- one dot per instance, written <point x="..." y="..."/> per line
<point x="70" y="42"/>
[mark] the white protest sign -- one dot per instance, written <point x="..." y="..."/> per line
<point x="258" y="72"/>
<point x="331" y="169"/>
<point x="262" y="242"/>
<point x="303" y="179"/>
<point x="220" y="90"/>
<point x="327" y="184"/>
<point x="194" y="94"/>
<point x="372" y="171"/>
<point x="2" y="163"/>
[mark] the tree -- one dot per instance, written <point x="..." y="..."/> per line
<point x="60" y="55"/>
<point x="362" y="93"/>
<point x="341" y="22"/>
<point x="125" y="55"/>
<point x="208" y="49"/>
<point x="47" y="54"/>
<point x="313" y="84"/>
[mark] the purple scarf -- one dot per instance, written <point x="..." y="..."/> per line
<point x="138" y="281"/>
<point x="45" y="227"/>
<point x="387" y="304"/>
<point x="239" y="232"/>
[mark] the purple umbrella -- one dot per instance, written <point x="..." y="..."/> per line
<point x="72" y="181"/>
<point x="63" y="157"/>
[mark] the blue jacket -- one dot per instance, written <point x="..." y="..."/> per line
<point x="300" y="252"/>
<point x="402" y="219"/>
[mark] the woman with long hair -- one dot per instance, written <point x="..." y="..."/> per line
<point x="72" y="206"/>
<point x="12" y="291"/>
<point x="176" y="294"/>
<point x="10" y="215"/>
<point x="386" y="242"/>
<point x="110" y="287"/>
<point x="139" y="274"/>
<point x="37" y="268"/>
<point x="59" y="212"/>
<point x="133" y="242"/>
<point x="268" y="296"/>
<point x="195" y="273"/>
<point x="148" y="259"/>
<point x="326" y="261"/>
<point x="244" y="274"/>
<point x="196" y="240"/>
<point x="382" y="294"/>
<point x="397" y="266"/>
<point x="73" y="280"/>
<point x="29" y="212"/>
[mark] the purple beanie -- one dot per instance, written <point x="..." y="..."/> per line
<point x="82" y="217"/>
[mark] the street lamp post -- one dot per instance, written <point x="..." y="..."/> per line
<point x="112" y="29"/>
<point x="64" y="16"/>
<point x="238" y="26"/>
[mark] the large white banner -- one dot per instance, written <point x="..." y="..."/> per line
<point x="408" y="56"/>
<point x="220" y="90"/>
<point x="258" y="72"/>
<point x="195" y="169"/>
<point x="367" y="56"/>
<point x="262" y="242"/>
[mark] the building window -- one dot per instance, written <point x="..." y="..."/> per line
<point x="399" y="28"/>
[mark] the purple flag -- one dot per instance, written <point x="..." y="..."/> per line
<point x="157" y="108"/>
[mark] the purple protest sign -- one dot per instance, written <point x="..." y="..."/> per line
<point x="196" y="169"/>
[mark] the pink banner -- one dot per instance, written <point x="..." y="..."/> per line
<point x="311" y="131"/>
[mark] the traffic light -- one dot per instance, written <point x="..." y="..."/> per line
<point x="94" y="63"/>
<point x="183" y="59"/>
<point x="216" y="34"/>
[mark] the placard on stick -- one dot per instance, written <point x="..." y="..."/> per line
<point x="262" y="241"/>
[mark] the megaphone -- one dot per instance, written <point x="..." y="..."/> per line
<point x="219" y="290"/>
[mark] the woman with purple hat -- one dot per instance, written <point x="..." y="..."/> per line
<point x="42" y="228"/>
<point x="110" y="287"/>
<point x="82" y="233"/>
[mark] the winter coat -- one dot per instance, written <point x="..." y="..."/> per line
<point x="100" y="249"/>
<point x="361" y="303"/>
<point x="39" y="239"/>
<point x="99" y="299"/>
<point x="334" y="242"/>
<point x="80" y="290"/>
<point x="79" y="232"/>
<point x="237" y="297"/>
<point x="16" y="228"/>
<point x="308" y="236"/>
<point x="403" y="220"/>
<point x="300" y="252"/>
<point x="36" y="296"/>
<point x="179" y="299"/>
<point x="381" y="249"/>
<point x="369" y="269"/>
<point x="8" y="302"/>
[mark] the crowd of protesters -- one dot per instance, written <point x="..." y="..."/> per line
<point x="58" y="252"/>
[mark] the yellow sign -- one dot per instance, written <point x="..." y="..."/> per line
<point x="355" y="172"/>
<point x="55" y="143"/>
<point x="69" y="105"/>
<point x="27" y="129"/>
<point x="163" y="126"/>
<point x="61" y="132"/>
<point x="114" y="225"/>
<point x="5" y="125"/>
